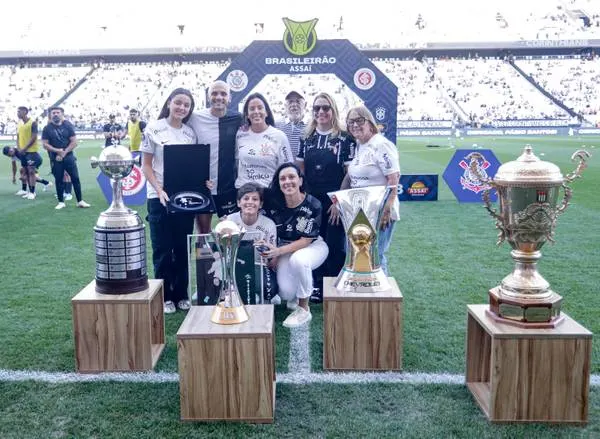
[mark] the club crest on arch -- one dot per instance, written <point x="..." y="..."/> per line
<point x="300" y="37"/>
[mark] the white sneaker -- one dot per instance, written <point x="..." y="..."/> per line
<point x="25" y="195"/>
<point x="68" y="197"/>
<point x="169" y="307"/>
<point x="292" y="305"/>
<point x="30" y="196"/>
<point x="21" y="192"/>
<point x="48" y="186"/>
<point x="82" y="204"/>
<point x="298" y="318"/>
<point x="276" y="300"/>
<point x="60" y="206"/>
<point x="184" y="305"/>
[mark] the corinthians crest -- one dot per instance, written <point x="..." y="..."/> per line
<point x="476" y="166"/>
<point x="300" y="37"/>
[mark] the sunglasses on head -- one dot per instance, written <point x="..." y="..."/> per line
<point x="325" y="108"/>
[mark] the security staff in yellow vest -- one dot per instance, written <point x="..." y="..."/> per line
<point x="27" y="142"/>
<point x="134" y="129"/>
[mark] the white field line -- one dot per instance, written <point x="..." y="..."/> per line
<point x="282" y="378"/>
<point x="299" y="360"/>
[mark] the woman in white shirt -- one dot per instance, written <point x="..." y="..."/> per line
<point x="261" y="147"/>
<point x="168" y="231"/>
<point x="375" y="163"/>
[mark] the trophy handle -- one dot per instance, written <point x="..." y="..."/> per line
<point x="582" y="155"/>
<point x="473" y="160"/>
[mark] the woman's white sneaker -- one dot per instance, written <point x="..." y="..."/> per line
<point x="298" y="318"/>
<point x="169" y="307"/>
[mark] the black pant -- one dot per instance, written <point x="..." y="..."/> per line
<point x="168" y="232"/>
<point x="69" y="165"/>
<point x="334" y="237"/>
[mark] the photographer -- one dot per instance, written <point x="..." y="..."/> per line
<point x="113" y="132"/>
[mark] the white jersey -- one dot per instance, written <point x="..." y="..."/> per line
<point x="372" y="163"/>
<point x="260" y="154"/>
<point x="263" y="225"/>
<point x="156" y="135"/>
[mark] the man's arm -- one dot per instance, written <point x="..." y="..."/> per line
<point x="14" y="171"/>
<point x="72" y="144"/>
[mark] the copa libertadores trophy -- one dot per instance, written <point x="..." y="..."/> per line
<point x="528" y="192"/>
<point x="120" y="237"/>
<point x="361" y="210"/>
<point x="230" y="309"/>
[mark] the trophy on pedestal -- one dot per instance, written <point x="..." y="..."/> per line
<point x="120" y="237"/>
<point x="361" y="211"/>
<point x="528" y="190"/>
<point x="230" y="308"/>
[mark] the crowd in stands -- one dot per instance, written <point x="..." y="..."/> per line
<point x="473" y="91"/>
<point x="573" y="81"/>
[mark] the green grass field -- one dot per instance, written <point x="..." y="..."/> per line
<point x="443" y="257"/>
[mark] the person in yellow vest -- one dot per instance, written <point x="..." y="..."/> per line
<point x="27" y="142"/>
<point x="134" y="129"/>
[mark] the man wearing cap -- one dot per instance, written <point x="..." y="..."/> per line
<point x="113" y="132"/>
<point x="295" y="106"/>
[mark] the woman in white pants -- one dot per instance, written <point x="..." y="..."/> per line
<point x="300" y="249"/>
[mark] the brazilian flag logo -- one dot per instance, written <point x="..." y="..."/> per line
<point x="299" y="37"/>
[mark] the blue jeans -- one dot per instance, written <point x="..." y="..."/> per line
<point x="384" y="239"/>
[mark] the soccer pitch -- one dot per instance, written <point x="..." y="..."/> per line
<point x="443" y="257"/>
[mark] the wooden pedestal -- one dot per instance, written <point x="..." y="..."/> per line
<point x="528" y="375"/>
<point x="118" y="332"/>
<point x="227" y="372"/>
<point x="362" y="331"/>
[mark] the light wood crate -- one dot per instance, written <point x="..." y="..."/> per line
<point x="528" y="375"/>
<point x="227" y="372"/>
<point x="118" y="332"/>
<point x="362" y="331"/>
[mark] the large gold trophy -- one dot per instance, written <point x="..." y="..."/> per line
<point x="361" y="211"/>
<point x="528" y="190"/>
<point x="229" y="310"/>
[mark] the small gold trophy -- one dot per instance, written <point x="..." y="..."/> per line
<point x="528" y="190"/>
<point x="229" y="310"/>
<point x="361" y="211"/>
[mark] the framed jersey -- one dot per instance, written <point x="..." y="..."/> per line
<point x="186" y="170"/>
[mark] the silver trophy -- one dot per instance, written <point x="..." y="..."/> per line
<point x="361" y="211"/>
<point x="120" y="237"/>
<point x="230" y="308"/>
<point x="528" y="196"/>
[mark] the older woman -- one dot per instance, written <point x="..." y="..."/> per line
<point x="168" y="231"/>
<point x="299" y="248"/>
<point x="261" y="148"/>
<point x="325" y="153"/>
<point x="375" y="163"/>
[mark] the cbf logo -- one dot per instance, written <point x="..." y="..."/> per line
<point x="299" y="37"/>
<point x="475" y="174"/>
<point x="380" y="113"/>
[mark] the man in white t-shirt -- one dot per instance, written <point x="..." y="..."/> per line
<point x="217" y="126"/>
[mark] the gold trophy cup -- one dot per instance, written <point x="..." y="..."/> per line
<point x="528" y="190"/>
<point x="230" y="309"/>
<point x="361" y="211"/>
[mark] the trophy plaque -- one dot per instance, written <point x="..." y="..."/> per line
<point x="230" y="308"/>
<point x="361" y="211"/>
<point x="528" y="191"/>
<point x="120" y="238"/>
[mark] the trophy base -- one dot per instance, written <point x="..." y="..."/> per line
<point x="228" y="316"/>
<point x="121" y="286"/>
<point x="362" y="282"/>
<point x="525" y="313"/>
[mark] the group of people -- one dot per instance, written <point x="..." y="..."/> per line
<point x="278" y="180"/>
<point x="59" y="139"/>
